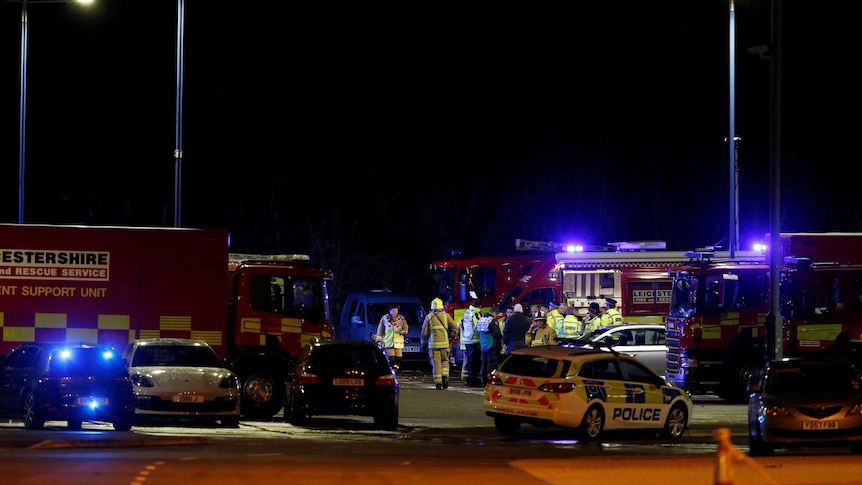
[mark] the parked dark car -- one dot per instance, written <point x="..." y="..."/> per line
<point x="805" y="402"/>
<point x="343" y="377"/>
<point x="66" y="382"/>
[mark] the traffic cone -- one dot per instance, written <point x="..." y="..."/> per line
<point x="724" y="457"/>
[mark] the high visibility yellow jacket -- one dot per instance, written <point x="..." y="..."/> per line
<point x="391" y="331"/>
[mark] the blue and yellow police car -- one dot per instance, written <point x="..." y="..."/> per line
<point x="589" y="389"/>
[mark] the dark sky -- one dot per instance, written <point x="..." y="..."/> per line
<point x="597" y="109"/>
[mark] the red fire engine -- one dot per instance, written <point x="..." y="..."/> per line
<point x="632" y="273"/>
<point x="717" y="330"/>
<point x="113" y="285"/>
<point x="461" y="280"/>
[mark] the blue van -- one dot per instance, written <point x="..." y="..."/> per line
<point x="362" y="311"/>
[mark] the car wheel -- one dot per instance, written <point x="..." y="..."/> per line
<point x="294" y="413"/>
<point x="123" y="424"/>
<point x="387" y="420"/>
<point x="74" y="424"/>
<point x="32" y="417"/>
<point x="231" y="422"/>
<point x="507" y="425"/>
<point x="262" y="396"/>
<point x="593" y="423"/>
<point x="676" y="422"/>
<point x="756" y="446"/>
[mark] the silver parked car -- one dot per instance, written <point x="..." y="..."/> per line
<point x="644" y="341"/>
<point x="805" y="402"/>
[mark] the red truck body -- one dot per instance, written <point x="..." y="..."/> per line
<point x="112" y="285"/>
<point x="717" y="329"/>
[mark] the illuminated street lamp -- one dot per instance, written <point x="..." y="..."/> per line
<point x="22" y="116"/>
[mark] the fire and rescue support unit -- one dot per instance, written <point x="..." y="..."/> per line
<point x="717" y="330"/>
<point x="112" y="285"/>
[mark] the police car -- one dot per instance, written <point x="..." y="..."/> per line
<point x="589" y="389"/>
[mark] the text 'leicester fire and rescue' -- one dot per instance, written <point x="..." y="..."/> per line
<point x="48" y="265"/>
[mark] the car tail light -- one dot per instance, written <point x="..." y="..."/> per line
<point x="494" y="379"/>
<point x="308" y="379"/>
<point x="386" y="380"/>
<point x="557" y="387"/>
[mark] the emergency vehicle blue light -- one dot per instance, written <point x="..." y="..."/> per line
<point x="575" y="248"/>
<point x="108" y="354"/>
<point x="759" y="246"/>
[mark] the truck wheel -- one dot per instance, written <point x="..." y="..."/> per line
<point x="734" y="380"/>
<point x="262" y="396"/>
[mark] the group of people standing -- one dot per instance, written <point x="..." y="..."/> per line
<point x="485" y="337"/>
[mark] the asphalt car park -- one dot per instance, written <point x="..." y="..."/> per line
<point x="590" y="390"/>
<point x="343" y="377"/>
<point x="181" y="380"/>
<point x="805" y="402"/>
<point x="42" y="382"/>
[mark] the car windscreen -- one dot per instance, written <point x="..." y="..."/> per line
<point x="813" y="378"/>
<point x="531" y="366"/>
<point x="176" y="356"/>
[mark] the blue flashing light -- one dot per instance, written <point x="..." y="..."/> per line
<point x="574" y="248"/>
<point x="108" y="354"/>
<point x="758" y="246"/>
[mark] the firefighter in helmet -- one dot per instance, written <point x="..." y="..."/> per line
<point x="438" y="329"/>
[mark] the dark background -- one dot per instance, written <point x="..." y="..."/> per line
<point x="375" y="136"/>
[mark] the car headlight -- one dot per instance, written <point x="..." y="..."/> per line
<point x="229" y="382"/>
<point x="141" y="380"/>
<point x="775" y="409"/>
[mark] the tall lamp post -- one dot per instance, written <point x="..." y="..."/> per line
<point x="22" y="109"/>
<point x="732" y="139"/>
<point x="178" y="148"/>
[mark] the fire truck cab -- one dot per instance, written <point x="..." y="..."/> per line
<point x="717" y="329"/>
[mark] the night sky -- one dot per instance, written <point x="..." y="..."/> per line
<point x="601" y="121"/>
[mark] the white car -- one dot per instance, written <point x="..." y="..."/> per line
<point x="591" y="390"/>
<point x="182" y="379"/>
<point x="645" y="341"/>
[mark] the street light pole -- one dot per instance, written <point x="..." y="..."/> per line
<point x="732" y="139"/>
<point x="22" y="107"/>
<point x="178" y="149"/>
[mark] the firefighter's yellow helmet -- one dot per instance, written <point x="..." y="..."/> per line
<point x="436" y="304"/>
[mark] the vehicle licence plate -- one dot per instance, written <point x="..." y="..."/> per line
<point x="188" y="398"/>
<point x="820" y="425"/>
<point x="514" y="391"/>
<point x="412" y="348"/>
<point x="344" y="381"/>
<point x="87" y="401"/>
